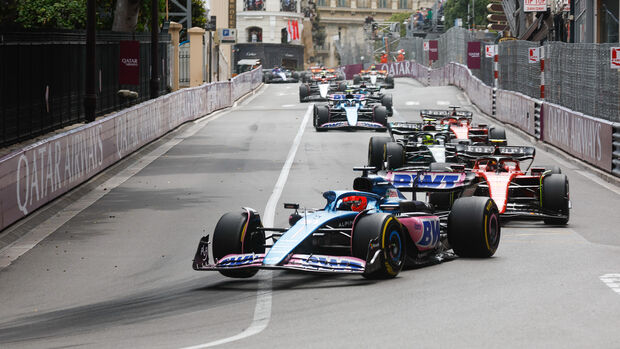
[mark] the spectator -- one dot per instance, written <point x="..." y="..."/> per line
<point x="401" y="56"/>
<point x="384" y="57"/>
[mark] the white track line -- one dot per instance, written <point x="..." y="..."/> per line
<point x="612" y="280"/>
<point x="262" y="311"/>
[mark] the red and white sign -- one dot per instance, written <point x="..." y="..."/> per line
<point x="615" y="57"/>
<point x="534" y="55"/>
<point x="426" y="46"/>
<point x="535" y="6"/>
<point x="292" y="30"/>
<point x="566" y="4"/>
<point x="490" y="50"/>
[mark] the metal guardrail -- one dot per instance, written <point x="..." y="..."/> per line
<point x="615" y="161"/>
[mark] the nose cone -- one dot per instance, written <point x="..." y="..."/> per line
<point x="351" y="115"/>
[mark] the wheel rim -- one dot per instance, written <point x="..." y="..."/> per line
<point x="493" y="230"/>
<point x="394" y="248"/>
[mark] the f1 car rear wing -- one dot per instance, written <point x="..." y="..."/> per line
<point x="515" y="152"/>
<point x="427" y="181"/>
<point x="442" y="113"/>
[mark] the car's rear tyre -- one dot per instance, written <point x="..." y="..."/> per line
<point x="295" y="76"/>
<point x="357" y="79"/>
<point x="394" y="155"/>
<point x="386" y="101"/>
<point x="379" y="114"/>
<point x="322" y="117"/>
<point x="389" y="81"/>
<point x="555" y="197"/>
<point x="497" y="133"/>
<point x="473" y="227"/>
<point x="231" y="236"/>
<point x="553" y="168"/>
<point x="268" y="77"/>
<point x="391" y="242"/>
<point x="304" y="91"/>
<point x="376" y="151"/>
<point x="439" y="200"/>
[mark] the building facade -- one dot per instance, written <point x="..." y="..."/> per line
<point x="272" y="31"/>
<point x="344" y="21"/>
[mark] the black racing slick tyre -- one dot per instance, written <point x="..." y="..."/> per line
<point x="304" y="91"/>
<point x="394" y="155"/>
<point x="295" y="76"/>
<point x="386" y="101"/>
<point x="497" y="133"/>
<point x="389" y="81"/>
<point x="379" y="114"/>
<point x="267" y="77"/>
<point x="322" y="117"/>
<point x="553" y="168"/>
<point x="376" y="151"/>
<point x="555" y="198"/>
<point x="473" y="227"/>
<point x="390" y="237"/>
<point x="342" y="86"/>
<point x="232" y="236"/>
<point x="357" y="79"/>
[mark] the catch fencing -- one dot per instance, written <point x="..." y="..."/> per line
<point x="576" y="76"/>
<point x="590" y="139"/>
<point x="41" y="172"/>
<point x="42" y="79"/>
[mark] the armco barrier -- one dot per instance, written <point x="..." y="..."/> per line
<point x="41" y="172"/>
<point x="582" y="136"/>
<point x="516" y="109"/>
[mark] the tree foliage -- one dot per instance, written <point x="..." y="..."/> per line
<point x="458" y="9"/>
<point x="400" y="18"/>
<point x="67" y="14"/>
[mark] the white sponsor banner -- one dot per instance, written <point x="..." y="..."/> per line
<point x="535" y="5"/>
<point x="426" y="46"/>
<point x="534" y="55"/>
<point x="490" y="50"/>
<point x="615" y="57"/>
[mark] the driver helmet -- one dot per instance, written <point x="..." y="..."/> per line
<point x="428" y="139"/>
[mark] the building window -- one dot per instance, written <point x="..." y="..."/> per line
<point x="254" y="5"/>
<point x="288" y="6"/>
<point x="363" y="3"/>
<point x="321" y="3"/>
<point x="342" y="3"/>
<point x="382" y="3"/>
<point x="255" y="34"/>
<point x="284" y="36"/>
<point x="403" y="4"/>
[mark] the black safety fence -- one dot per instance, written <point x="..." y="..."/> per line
<point x="42" y="79"/>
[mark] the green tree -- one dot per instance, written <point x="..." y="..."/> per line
<point x="400" y="18"/>
<point x="454" y="9"/>
<point x="64" y="14"/>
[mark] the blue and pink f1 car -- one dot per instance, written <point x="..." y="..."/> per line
<point x="372" y="230"/>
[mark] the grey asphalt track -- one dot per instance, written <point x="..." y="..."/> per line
<point x="118" y="273"/>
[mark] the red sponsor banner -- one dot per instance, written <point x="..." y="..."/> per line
<point x="535" y="5"/>
<point x="473" y="55"/>
<point x="433" y="52"/>
<point x="129" y="63"/>
<point x="615" y="57"/>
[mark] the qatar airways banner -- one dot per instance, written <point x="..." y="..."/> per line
<point x="399" y="69"/>
<point x="129" y="63"/>
<point x="580" y="135"/>
<point x="33" y="176"/>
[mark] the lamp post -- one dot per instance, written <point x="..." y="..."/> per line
<point x="154" y="83"/>
<point x="90" y="98"/>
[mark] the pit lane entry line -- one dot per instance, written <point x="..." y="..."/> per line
<point x="262" y="311"/>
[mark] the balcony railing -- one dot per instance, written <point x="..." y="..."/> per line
<point x="254" y="5"/>
<point x="288" y="5"/>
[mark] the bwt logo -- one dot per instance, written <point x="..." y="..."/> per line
<point x="130" y="62"/>
<point x="237" y="261"/>
<point x="427" y="180"/>
<point x="430" y="233"/>
<point x="334" y="262"/>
